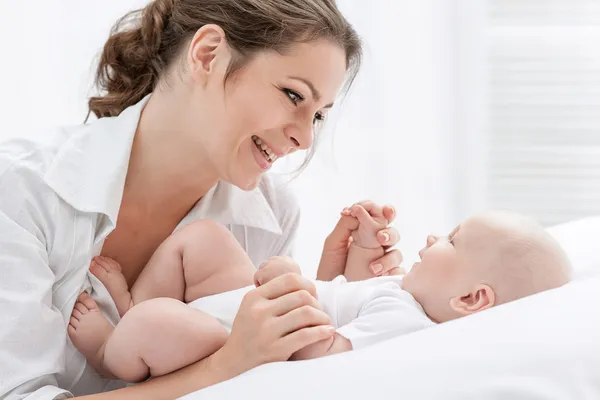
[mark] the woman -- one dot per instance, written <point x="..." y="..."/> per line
<point x="200" y="98"/>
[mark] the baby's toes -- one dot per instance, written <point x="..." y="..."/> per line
<point x="73" y="323"/>
<point x="109" y="264"/>
<point x="87" y="301"/>
<point x="97" y="269"/>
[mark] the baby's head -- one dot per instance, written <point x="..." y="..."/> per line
<point x="490" y="259"/>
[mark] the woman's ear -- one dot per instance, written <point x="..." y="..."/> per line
<point x="207" y="48"/>
<point x="479" y="299"/>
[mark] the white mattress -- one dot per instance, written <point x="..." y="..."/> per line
<point x="546" y="347"/>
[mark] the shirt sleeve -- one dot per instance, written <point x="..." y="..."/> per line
<point x="32" y="332"/>
<point x="387" y="312"/>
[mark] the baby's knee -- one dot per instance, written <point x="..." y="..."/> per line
<point x="206" y="229"/>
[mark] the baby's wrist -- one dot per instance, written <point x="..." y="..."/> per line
<point x="377" y="252"/>
<point x="366" y="246"/>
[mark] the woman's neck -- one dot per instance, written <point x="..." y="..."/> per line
<point x="164" y="175"/>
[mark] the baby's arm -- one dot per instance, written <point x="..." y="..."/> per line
<point x="359" y="259"/>
<point x="336" y="344"/>
<point x="364" y="248"/>
<point x="386" y="312"/>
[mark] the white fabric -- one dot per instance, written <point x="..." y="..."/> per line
<point x="579" y="239"/>
<point x="372" y="311"/>
<point x="59" y="198"/>
<point x="365" y="312"/>
<point x="541" y="347"/>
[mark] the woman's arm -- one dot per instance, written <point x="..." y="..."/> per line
<point x="273" y="322"/>
<point x="209" y="371"/>
<point x="32" y="332"/>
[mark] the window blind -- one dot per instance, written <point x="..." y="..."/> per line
<point x="543" y="108"/>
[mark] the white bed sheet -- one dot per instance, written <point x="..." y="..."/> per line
<point x="545" y="346"/>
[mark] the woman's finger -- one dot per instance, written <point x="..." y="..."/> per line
<point x="388" y="237"/>
<point x="284" y="284"/>
<point x="389" y="261"/>
<point x="291" y="301"/>
<point x="304" y="337"/>
<point x="389" y="213"/>
<point x="302" y="317"/>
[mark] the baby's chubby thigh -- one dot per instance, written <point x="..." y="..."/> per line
<point x="213" y="260"/>
<point x="159" y="336"/>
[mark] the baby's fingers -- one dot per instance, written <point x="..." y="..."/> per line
<point x="360" y="213"/>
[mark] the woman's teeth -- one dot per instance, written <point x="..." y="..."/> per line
<point x="268" y="153"/>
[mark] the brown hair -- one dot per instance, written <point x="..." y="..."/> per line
<point x="145" y="43"/>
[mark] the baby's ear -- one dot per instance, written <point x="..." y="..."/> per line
<point x="479" y="299"/>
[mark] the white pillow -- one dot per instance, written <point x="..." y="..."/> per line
<point x="581" y="241"/>
<point x="544" y="346"/>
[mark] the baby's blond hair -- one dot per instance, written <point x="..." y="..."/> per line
<point x="523" y="259"/>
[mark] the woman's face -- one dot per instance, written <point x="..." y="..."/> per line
<point x="266" y="110"/>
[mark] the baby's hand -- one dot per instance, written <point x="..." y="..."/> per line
<point x="274" y="267"/>
<point x="370" y="223"/>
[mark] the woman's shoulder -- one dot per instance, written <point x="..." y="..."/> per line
<point x="32" y="154"/>
<point x="24" y="163"/>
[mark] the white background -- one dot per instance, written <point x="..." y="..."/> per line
<point x="413" y="131"/>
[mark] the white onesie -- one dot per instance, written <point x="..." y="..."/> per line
<point x="364" y="312"/>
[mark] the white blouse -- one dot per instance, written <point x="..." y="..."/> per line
<point x="59" y="199"/>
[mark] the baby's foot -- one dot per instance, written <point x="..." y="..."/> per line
<point x="108" y="271"/>
<point x="89" y="331"/>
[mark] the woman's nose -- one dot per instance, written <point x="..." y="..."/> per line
<point x="300" y="137"/>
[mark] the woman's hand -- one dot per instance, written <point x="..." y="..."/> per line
<point x="275" y="266"/>
<point x="274" y="321"/>
<point x="335" y="250"/>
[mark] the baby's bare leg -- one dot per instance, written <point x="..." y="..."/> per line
<point x="214" y="262"/>
<point x="201" y="259"/>
<point x="108" y="271"/>
<point x="154" y="338"/>
<point x="160" y="336"/>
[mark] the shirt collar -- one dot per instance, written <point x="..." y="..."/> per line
<point x="90" y="168"/>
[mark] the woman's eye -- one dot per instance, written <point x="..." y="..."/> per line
<point x="293" y="96"/>
<point x="319" y="117"/>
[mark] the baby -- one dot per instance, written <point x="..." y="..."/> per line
<point x="490" y="259"/>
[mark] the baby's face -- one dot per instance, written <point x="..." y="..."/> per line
<point x="447" y="267"/>
<point x="490" y="258"/>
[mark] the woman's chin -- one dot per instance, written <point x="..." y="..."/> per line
<point x="246" y="182"/>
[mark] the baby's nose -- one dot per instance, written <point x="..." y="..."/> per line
<point x="431" y="239"/>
